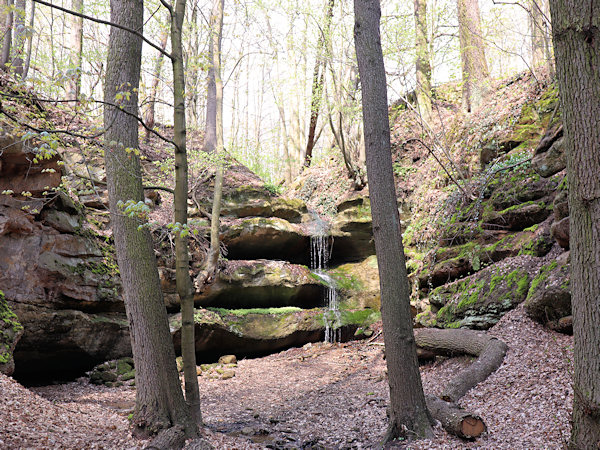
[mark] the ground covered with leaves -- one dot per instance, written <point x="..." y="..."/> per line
<point x="318" y="396"/>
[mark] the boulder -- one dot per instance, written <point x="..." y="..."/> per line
<point x="10" y="333"/>
<point x="560" y="232"/>
<point x="480" y="300"/>
<point x="551" y="161"/>
<point x="549" y="297"/>
<point x="517" y="217"/>
<point x="561" y="205"/>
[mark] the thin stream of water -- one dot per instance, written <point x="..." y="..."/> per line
<point x="320" y="252"/>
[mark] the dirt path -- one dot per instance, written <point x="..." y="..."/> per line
<point x="319" y="395"/>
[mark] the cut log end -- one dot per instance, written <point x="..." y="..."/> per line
<point x="472" y="427"/>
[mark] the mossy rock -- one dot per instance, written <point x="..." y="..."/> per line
<point x="358" y="283"/>
<point x="263" y="284"/>
<point x="11" y="331"/>
<point x="114" y="373"/>
<point x="480" y="300"/>
<point x="518" y="217"/>
<point x="264" y="330"/>
<point x="549" y="297"/>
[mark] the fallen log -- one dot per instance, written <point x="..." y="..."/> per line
<point x="454" y="419"/>
<point x="489" y="350"/>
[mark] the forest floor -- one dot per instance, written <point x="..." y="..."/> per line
<point x="317" y="396"/>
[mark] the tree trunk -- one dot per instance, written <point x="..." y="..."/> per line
<point x="19" y="35"/>
<point x="576" y="32"/>
<point x="159" y="401"/>
<point x="423" y="64"/>
<point x="474" y="65"/>
<point x="489" y="350"/>
<point x="7" y="30"/>
<point x="29" y="41"/>
<point x="149" y="116"/>
<point x="214" y="252"/>
<point x="317" y="84"/>
<point x="214" y="78"/>
<point x="408" y="413"/>
<point x="454" y="419"/>
<point x="183" y="279"/>
<point x="73" y="87"/>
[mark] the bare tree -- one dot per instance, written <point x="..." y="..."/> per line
<point x="318" y="83"/>
<point x="423" y="61"/>
<point x="409" y="416"/>
<point x="474" y="65"/>
<point x="160" y="406"/>
<point x="73" y="86"/>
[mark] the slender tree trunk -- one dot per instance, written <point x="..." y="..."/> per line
<point x="536" y="29"/>
<point x="19" y="37"/>
<point x="7" y="29"/>
<point x="318" y="83"/>
<point x="214" y="79"/>
<point x="474" y="65"/>
<point x="149" y="116"/>
<point x="29" y="40"/>
<point x="73" y="87"/>
<point x="576" y="31"/>
<point x="182" y="264"/>
<point x="423" y="58"/>
<point x="159" y="401"/>
<point x="216" y="34"/>
<point x="409" y="416"/>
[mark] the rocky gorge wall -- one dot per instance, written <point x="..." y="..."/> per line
<point x="60" y="278"/>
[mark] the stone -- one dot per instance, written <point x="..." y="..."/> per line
<point x="352" y="231"/>
<point x="266" y="238"/>
<point x="561" y="205"/>
<point x="560" y="232"/>
<point x="551" y="161"/>
<point x="262" y="284"/>
<point x="61" y="221"/>
<point x="480" y="300"/>
<point x="549" y="297"/>
<point x="518" y="217"/>
<point x="261" y="331"/>
<point x="227" y="359"/>
<point x="227" y="374"/>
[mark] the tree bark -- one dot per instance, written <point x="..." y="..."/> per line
<point x="474" y="66"/>
<point x="409" y="417"/>
<point x="159" y="401"/>
<point x="19" y="32"/>
<point x="214" y="79"/>
<point x="576" y="32"/>
<point x="454" y="419"/>
<point x="423" y="64"/>
<point x="29" y="41"/>
<point x="489" y="350"/>
<point x="318" y="84"/>
<point x="76" y="47"/>
<point x="183" y="279"/>
<point x="7" y="30"/>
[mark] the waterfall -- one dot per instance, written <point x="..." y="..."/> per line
<point x="320" y="252"/>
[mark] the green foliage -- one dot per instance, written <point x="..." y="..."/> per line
<point x="274" y="189"/>
<point x="403" y="172"/>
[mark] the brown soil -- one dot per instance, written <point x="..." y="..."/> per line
<point x="320" y="395"/>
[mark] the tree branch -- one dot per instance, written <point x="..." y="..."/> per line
<point x="105" y="22"/>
